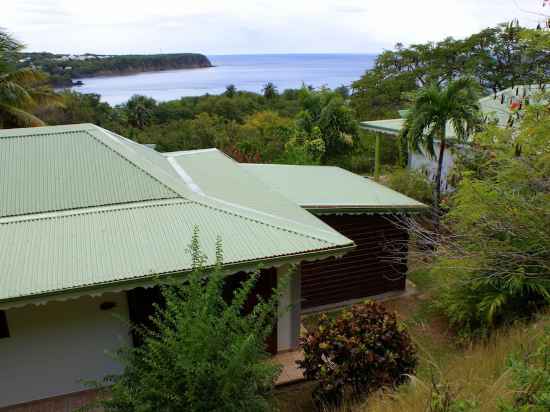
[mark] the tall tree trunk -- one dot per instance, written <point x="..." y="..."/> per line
<point x="437" y="188"/>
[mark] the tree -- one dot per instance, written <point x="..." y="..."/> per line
<point x="230" y="90"/>
<point x="21" y="90"/>
<point x="497" y="261"/>
<point x="435" y="107"/>
<point x="264" y="133"/>
<point x="497" y="58"/>
<point x="338" y="126"/>
<point x="304" y="149"/>
<point x="201" y="353"/>
<point x="139" y="110"/>
<point x="79" y="108"/>
<point x="328" y="112"/>
<point x="270" y="91"/>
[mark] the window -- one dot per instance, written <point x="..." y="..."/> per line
<point x="4" y="331"/>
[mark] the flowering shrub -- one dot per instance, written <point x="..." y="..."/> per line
<point x="361" y="350"/>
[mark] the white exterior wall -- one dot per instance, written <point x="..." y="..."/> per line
<point x="54" y="346"/>
<point x="419" y="161"/>
<point x="288" y="325"/>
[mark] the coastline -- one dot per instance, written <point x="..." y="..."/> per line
<point x="248" y="73"/>
<point x="126" y="73"/>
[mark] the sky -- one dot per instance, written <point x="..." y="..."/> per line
<point x="250" y="26"/>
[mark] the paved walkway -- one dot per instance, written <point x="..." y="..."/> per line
<point x="290" y="373"/>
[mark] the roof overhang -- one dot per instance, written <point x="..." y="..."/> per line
<point x="156" y="279"/>
<point x="381" y="126"/>
<point x="363" y="210"/>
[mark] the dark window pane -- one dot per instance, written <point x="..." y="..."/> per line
<point x="4" y="331"/>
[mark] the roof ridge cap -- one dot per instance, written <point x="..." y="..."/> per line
<point x="102" y="133"/>
<point x="210" y="201"/>
<point x="244" y="211"/>
<point x="269" y="224"/>
<point x="91" y="210"/>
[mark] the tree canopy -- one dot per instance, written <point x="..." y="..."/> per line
<point x="21" y="90"/>
<point x="497" y="58"/>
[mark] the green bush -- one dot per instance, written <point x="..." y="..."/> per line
<point x="202" y="353"/>
<point x="496" y="259"/>
<point x="361" y="350"/>
<point x="411" y="183"/>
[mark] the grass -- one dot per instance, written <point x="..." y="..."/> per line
<point x="476" y="375"/>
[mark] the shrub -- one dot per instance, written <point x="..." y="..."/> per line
<point x="411" y="183"/>
<point x="361" y="350"/>
<point x="497" y="257"/>
<point x="530" y="380"/>
<point x="201" y="354"/>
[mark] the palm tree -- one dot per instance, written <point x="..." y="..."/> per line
<point x="230" y="90"/>
<point x="139" y="110"/>
<point x="21" y="90"/>
<point x="434" y="108"/>
<point x="270" y="91"/>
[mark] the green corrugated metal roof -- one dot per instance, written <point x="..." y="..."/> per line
<point x="389" y="126"/>
<point x="67" y="169"/>
<point x="218" y="176"/>
<point x="114" y="245"/>
<point x="125" y="214"/>
<point x="331" y="189"/>
<point x="496" y="107"/>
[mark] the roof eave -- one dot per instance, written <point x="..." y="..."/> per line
<point x="154" y="279"/>
<point x="380" y="129"/>
<point x="343" y="209"/>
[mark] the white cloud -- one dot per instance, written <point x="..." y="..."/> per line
<point x="248" y="26"/>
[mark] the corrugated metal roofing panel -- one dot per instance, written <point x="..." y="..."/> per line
<point x="218" y="176"/>
<point x="318" y="187"/>
<point x="60" y="252"/>
<point x="67" y="169"/>
<point x="388" y="126"/>
<point x="82" y="207"/>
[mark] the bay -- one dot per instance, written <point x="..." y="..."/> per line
<point x="246" y="72"/>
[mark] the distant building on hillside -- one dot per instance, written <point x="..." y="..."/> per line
<point x="502" y="108"/>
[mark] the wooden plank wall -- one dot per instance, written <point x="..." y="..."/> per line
<point x="366" y="271"/>
<point x="141" y="300"/>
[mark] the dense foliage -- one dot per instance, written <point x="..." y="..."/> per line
<point x="21" y="90"/>
<point x="412" y="183"/>
<point x="497" y="58"/>
<point x="434" y="108"/>
<point x="201" y="353"/>
<point x="496" y="259"/>
<point x="63" y="69"/>
<point x="302" y="126"/>
<point x="361" y="350"/>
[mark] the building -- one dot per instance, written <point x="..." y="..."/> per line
<point x="502" y="108"/>
<point x="88" y="218"/>
<point x="90" y="222"/>
<point x="356" y="207"/>
<point x="360" y="209"/>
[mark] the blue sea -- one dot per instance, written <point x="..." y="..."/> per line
<point x="246" y="72"/>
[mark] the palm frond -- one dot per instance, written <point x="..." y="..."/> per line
<point x="13" y="117"/>
<point x="14" y="94"/>
<point x="8" y="43"/>
<point x="24" y="76"/>
<point x="45" y="96"/>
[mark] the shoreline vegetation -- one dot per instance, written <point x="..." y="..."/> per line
<point x="65" y="70"/>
